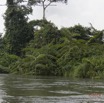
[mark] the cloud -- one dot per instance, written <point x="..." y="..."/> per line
<point x="2" y="11"/>
<point x="76" y="11"/>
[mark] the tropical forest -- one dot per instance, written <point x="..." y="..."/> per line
<point x="39" y="47"/>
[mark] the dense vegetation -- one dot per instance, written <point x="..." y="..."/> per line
<point x="38" y="47"/>
<point x="75" y="51"/>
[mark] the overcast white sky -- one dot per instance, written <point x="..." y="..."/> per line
<point x="76" y="11"/>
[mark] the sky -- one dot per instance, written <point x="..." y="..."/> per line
<point x="65" y="15"/>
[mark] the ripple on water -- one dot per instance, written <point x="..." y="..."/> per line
<point x="66" y="92"/>
<point x="49" y="90"/>
<point x="65" y="99"/>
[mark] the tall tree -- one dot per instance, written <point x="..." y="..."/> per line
<point x="18" y="32"/>
<point x="45" y="4"/>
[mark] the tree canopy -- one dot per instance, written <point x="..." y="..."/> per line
<point x="38" y="47"/>
<point x="18" y="33"/>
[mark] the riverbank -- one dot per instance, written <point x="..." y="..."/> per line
<point x="71" y="52"/>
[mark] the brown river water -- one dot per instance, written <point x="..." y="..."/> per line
<point x="40" y="89"/>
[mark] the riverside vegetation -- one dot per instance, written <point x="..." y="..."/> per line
<point x="38" y="47"/>
<point x="76" y="51"/>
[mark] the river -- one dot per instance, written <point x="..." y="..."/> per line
<point x="40" y="89"/>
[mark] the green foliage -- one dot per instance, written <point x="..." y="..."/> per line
<point x="90" y="68"/>
<point x="80" y="32"/>
<point x="18" y="32"/>
<point x="69" y="56"/>
<point x="97" y="38"/>
<point x="37" y="61"/>
<point x="76" y="51"/>
<point x="47" y="33"/>
<point x="1" y="42"/>
<point x="6" y="60"/>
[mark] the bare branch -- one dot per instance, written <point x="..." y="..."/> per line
<point x="48" y="5"/>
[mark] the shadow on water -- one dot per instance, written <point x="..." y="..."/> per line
<point x="29" y="89"/>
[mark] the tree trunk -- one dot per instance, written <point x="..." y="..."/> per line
<point x="44" y="10"/>
<point x="44" y="14"/>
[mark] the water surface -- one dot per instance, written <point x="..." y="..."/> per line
<point x="31" y="89"/>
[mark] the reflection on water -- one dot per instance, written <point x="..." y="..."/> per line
<point x="27" y="89"/>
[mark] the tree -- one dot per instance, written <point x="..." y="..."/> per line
<point x="1" y="41"/>
<point x="48" y="33"/>
<point x="18" y="32"/>
<point x="45" y="4"/>
<point x="80" y="32"/>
